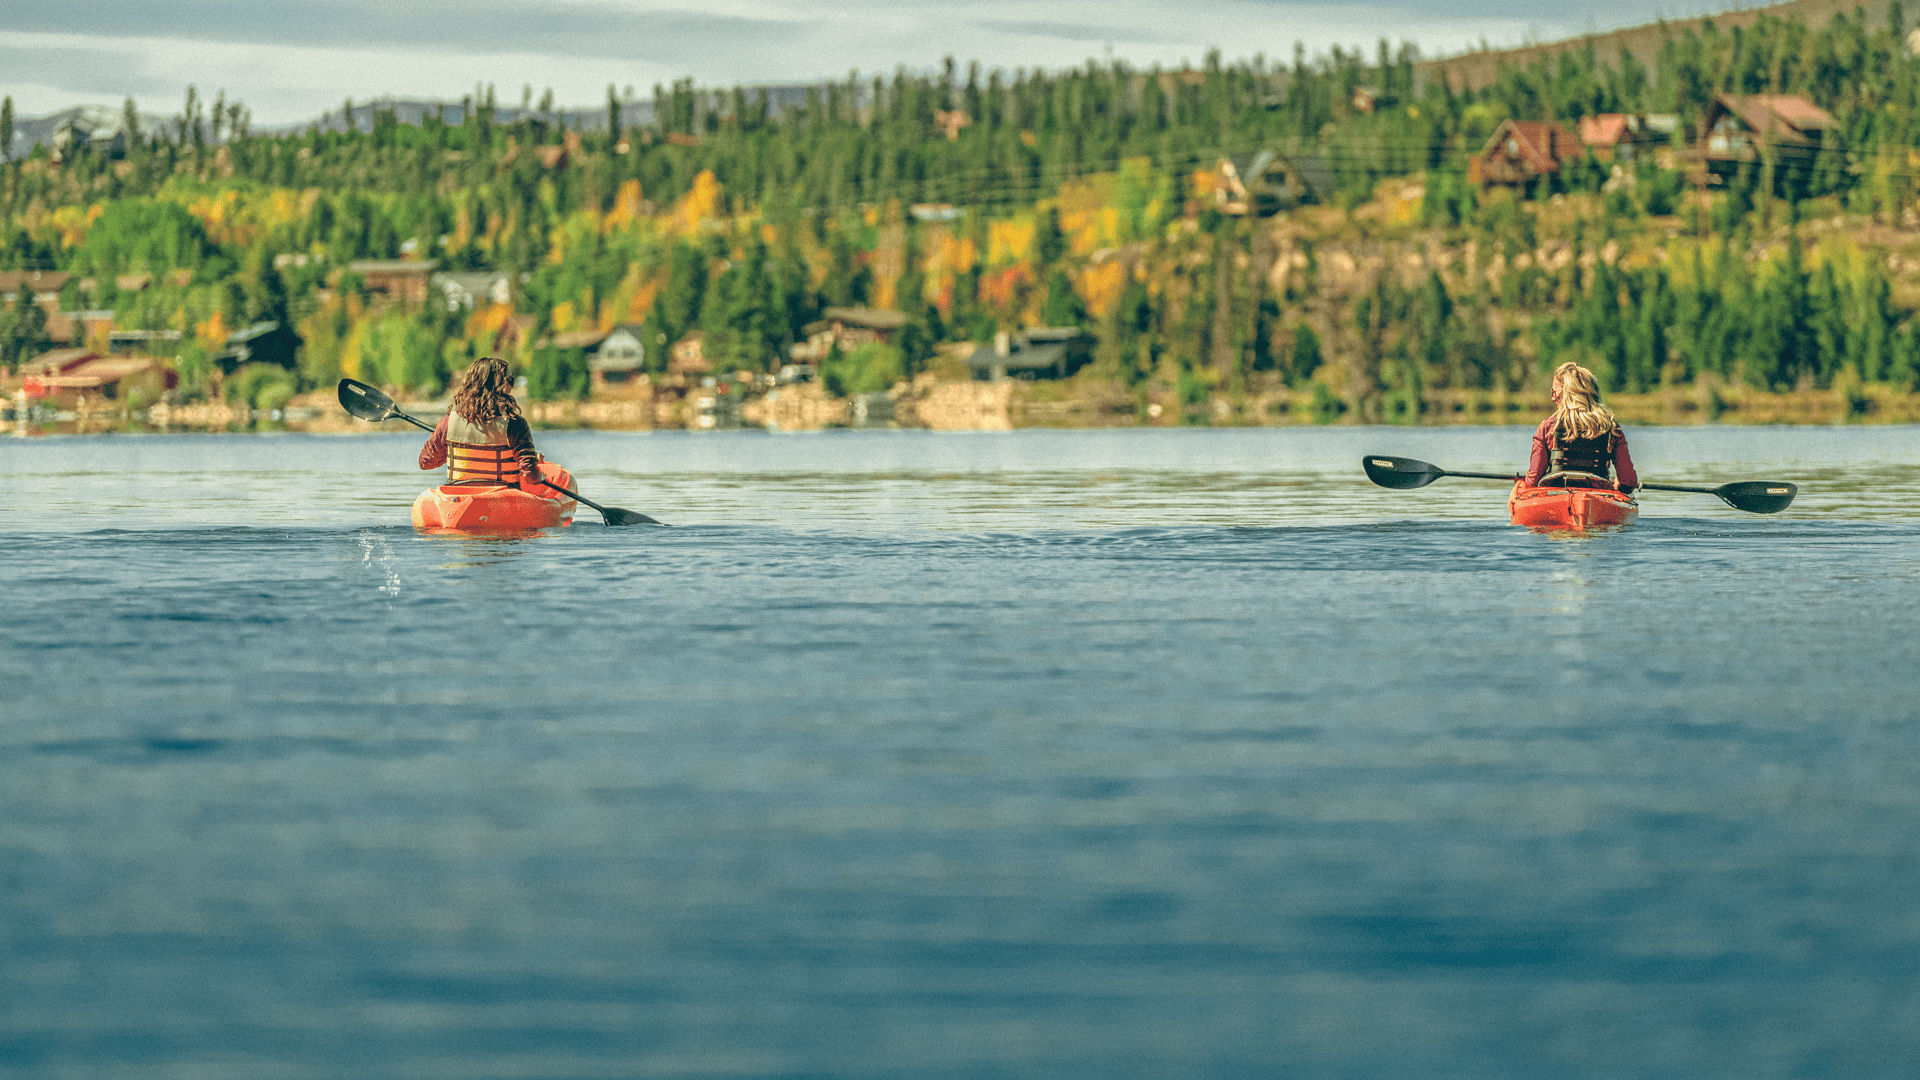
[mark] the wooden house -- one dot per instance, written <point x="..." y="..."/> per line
<point x="1266" y="182"/>
<point x="40" y="287"/>
<point x="66" y="374"/>
<point x="688" y="355"/>
<point x="1521" y="151"/>
<point x="846" y="328"/>
<point x="620" y="356"/>
<point x="401" y="281"/>
<point x="1743" y="129"/>
<point x="515" y="332"/>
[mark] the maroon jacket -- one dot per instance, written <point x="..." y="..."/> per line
<point x="1625" y="478"/>
<point x="519" y="437"/>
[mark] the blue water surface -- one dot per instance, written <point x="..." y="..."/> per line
<point x="1096" y="755"/>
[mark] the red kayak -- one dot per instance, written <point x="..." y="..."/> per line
<point x="1575" y="502"/>
<point x="494" y="507"/>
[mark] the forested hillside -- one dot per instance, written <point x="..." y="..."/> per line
<point x="1081" y="197"/>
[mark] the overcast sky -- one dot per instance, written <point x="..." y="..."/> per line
<point x="292" y="61"/>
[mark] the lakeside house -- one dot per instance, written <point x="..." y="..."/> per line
<point x="263" y="342"/>
<point x="1521" y="151"/>
<point x="1037" y="352"/>
<point x="846" y="329"/>
<point x="619" y="357"/>
<point x="66" y="374"/>
<point x="688" y="355"/>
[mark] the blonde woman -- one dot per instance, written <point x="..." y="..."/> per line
<point x="1581" y="439"/>
<point x="483" y="439"/>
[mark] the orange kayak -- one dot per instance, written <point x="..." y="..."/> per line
<point x="1570" y="507"/>
<point x="495" y="507"/>
<point x="472" y="508"/>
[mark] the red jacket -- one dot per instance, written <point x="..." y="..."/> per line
<point x="1625" y="478"/>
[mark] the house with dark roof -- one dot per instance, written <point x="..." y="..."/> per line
<point x="268" y="342"/>
<point x="1037" y="352"/>
<point x="1741" y="128"/>
<point x="1266" y="182"/>
<point x="620" y="356"/>
<point x="1521" y="151"/>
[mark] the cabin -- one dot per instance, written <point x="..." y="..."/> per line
<point x="91" y="328"/>
<point x="1522" y="151"/>
<point x="514" y="334"/>
<point x="688" y="355"/>
<point x="263" y="342"/>
<point x="1371" y="99"/>
<point x="1741" y="127"/>
<point x="40" y="287"/>
<point x="1622" y="137"/>
<point x="1037" y="352"/>
<point x="401" y="281"/>
<point x="1264" y="183"/>
<point x="620" y="357"/>
<point x="466" y="291"/>
<point x="847" y="329"/>
<point x="90" y="127"/>
<point x="65" y="374"/>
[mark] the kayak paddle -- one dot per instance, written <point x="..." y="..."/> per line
<point x="1753" y="496"/>
<point x="369" y="403"/>
<point x="1405" y="474"/>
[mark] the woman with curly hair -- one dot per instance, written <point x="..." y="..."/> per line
<point x="483" y="439"/>
<point x="1581" y="442"/>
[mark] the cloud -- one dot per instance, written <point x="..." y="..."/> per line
<point x="291" y="62"/>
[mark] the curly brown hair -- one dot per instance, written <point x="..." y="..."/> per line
<point x="484" y="393"/>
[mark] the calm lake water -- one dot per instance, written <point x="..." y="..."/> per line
<point x="1172" y="754"/>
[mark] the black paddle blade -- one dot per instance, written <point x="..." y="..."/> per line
<point x="1401" y="474"/>
<point x="1758" y="496"/>
<point x="616" y="516"/>
<point x="363" y="401"/>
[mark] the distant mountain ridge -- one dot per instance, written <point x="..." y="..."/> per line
<point x="1476" y="69"/>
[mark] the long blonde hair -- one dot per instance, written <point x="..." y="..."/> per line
<point x="484" y="393"/>
<point x="1579" y="414"/>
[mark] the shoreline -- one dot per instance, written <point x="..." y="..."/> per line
<point x="1015" y="405"/>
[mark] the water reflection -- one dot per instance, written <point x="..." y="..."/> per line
<point x="892" y="481"/>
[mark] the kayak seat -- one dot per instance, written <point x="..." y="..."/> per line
<point x="1569" y="478"/>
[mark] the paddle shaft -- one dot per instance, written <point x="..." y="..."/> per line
<point x="1484" y="475"/>
<point x="1678" y="487"/>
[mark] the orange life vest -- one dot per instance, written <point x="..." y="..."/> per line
<point x="479" y="455"/>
